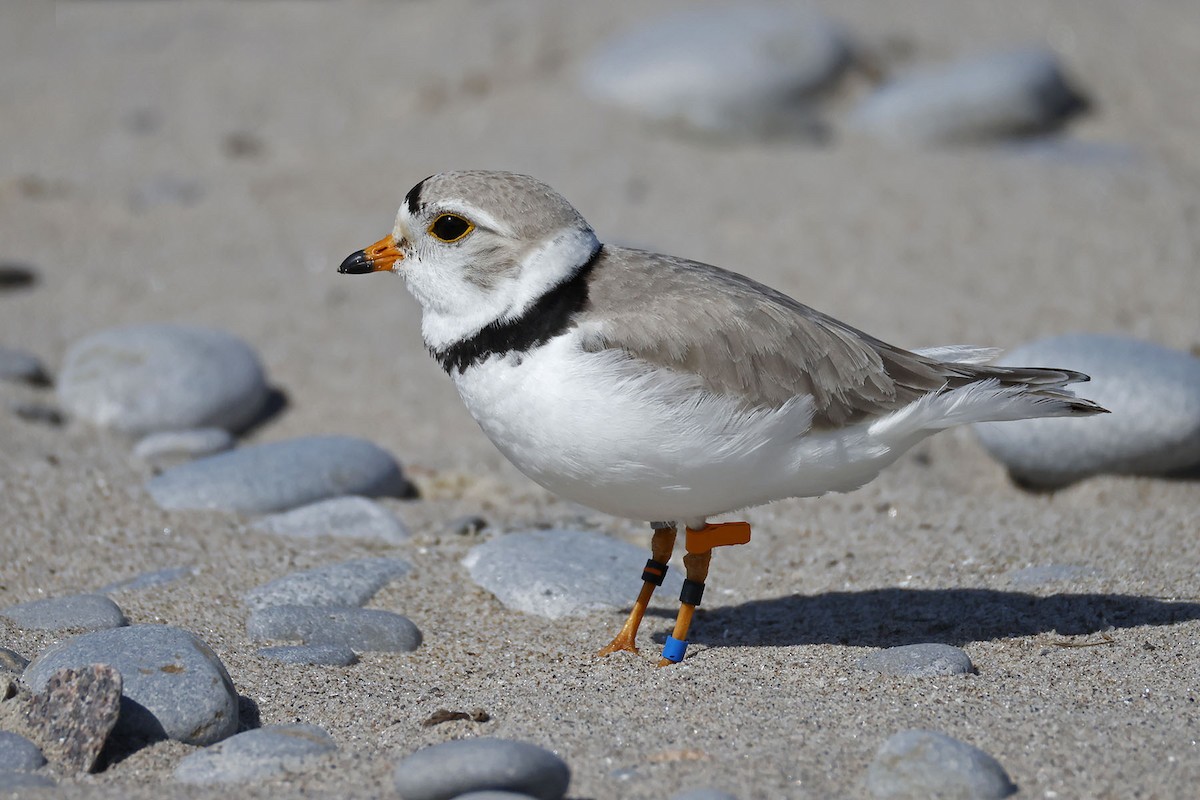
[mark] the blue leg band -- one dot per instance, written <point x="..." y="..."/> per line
<point x="674" y="649"/>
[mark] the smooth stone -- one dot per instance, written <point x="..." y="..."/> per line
<point x="11" y="661"/>
<point x="17" y="780"/>
<point x="169" y="447"/>
<point x="18" y="365"/>
<point x="255" y="755"/>
<point x="559" y="573"/>
<point x="89" y="612"/>
<point x="1152" y="391"/>
<point x="448" y="770"/>
<point x="327" y="655"/>
<point x="744" y="69"/>
<point x="281" y="475"/>
<point x="922" y="764"/>
<point x="75" y="712"/>
<point x="704" y="793"/>
<point x="361" y="629"/>
<point x="147" y="378"/>
<point x="174" y="686"/>
<point x="918" y="661"/>
<point x="1013" y="93"/>
<point x="1048" y="573"/>
<point x="339" y="517"/>
<point x="351" y="583"/>
<point x="147" y="580"/>
<point x="18" y="753"/>
<point x="494" y="794"/>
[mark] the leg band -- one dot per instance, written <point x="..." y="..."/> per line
<point x="674" y="649"/>
<point x="654" y="572"/>
<point x="692" y="592"/>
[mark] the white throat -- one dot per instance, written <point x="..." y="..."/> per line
<point x="474" y="307"/>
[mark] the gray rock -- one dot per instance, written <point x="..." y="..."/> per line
<point x="361" y="629"/>
<point x="174" y="685"/>
<point x="448" y="770"/>
<point x="148" y="378"/>
<point x="733" y="70"/>
<point x="74" y="714"/>
<point x="918" y="661"/>
<point x="351" y="583"/>
<point x="90" y="612"/>
<point x="18" y="365"/>
<point x="280" y="476"/>
<point x="706" y="793"/>
<point x="147" y="580"/>
<point x="17" y="780"/>
<point x="1013" y="93"/>
<point x="11" y="661"/>
<point x="255" y="755"/>
<point x="1152" y="391"/>
<point x="18" y="753"/>
<point x="557" y="573"/>
<point x="339" y="517"/>
<point x="1029" y="577"/>
<point x="924" y="764"/>
<point x="173" y="447"/>
<point x="329" y="655"/>
<point x="494" y="794"/>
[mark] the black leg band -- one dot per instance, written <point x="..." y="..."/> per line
<point x="692" y="592"/>
<point x="654" y="572"/>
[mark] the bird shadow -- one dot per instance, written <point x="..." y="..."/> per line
<point x="891" y="617"/>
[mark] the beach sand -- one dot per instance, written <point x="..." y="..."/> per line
<point x="213" y="164"/>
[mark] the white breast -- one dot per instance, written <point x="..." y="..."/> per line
<point x="613" y="434"/>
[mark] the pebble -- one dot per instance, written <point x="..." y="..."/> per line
<point x="351" y="583"/>
<point x="18" y="753"/>
<point x="920" y="764"/>
<point x="740" y="69"/>
<point x="18" y="365"/>
<point x="173" y="447"/>
<point x="255" y="755"/>
<point x="174" y="685"/>
<point x="1049" y="573"/>
<point x="560" y="573"/>
<point x="148" y="378"/>
<point x="147" y="580"/>
<point x="11" y="661"/>
<point x="705" y="793"/>
<point x="361" y="629"/>
<point x="339" y="517"/>
<point x="74" y="714"/>
<point x="89" y="612"/>
<point x="918" y="661"/>
<point x="16" y="780"/>
<point x="40" y="413"/>
<point x="281" y="475"/>
<point x="1152" y="391"/>
<point x="453" y="768"/>
<point x="1012" y="93"/>
<point x="329" y="655"/>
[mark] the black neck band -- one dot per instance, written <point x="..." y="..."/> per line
<point x="549" y="316"/>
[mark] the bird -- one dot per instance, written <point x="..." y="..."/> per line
<point x="660" y="389"/>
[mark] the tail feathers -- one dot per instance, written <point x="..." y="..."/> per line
<point x="1043" y="386"/>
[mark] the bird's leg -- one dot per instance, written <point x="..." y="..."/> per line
<point x="661" y="545"/>
<point x="700" y="544"/>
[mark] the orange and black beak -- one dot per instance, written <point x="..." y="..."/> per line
<point x="379" y="257"/>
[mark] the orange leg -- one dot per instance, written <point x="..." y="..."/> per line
<point x="700" y="544"/>
<point x="661" y="546"/>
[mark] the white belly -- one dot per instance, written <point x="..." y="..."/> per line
<point x="599" y="429"/>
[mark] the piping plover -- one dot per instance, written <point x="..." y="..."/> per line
<point x="656" y="388"/>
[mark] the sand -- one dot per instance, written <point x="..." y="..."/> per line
<point x="213" y="164"/>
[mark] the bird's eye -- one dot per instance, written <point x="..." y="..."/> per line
<point x="450" y="227"/>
